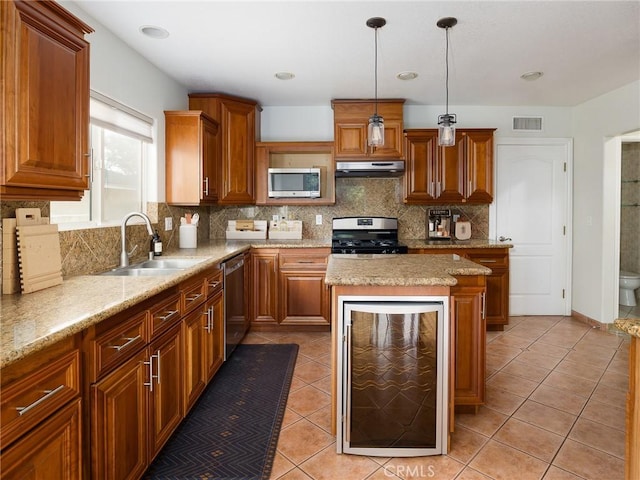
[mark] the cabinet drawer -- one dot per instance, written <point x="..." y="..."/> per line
<point x="310" y="258"/>
<point x="164" y="314"/>
<point x="115" y="345"/>
<point x="193" y="293"/>
<point x="214" y="282"/>
<point x="490" y="260"/>
<point x="27" y="402"/>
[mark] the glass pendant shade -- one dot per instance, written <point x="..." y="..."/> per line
<point x="446" y="130"/>
<point x="375" y="132"/>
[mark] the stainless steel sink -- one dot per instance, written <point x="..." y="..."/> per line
<point x="141" y="272"/>
<point x="152" y="268"/>
<point x="180" y="263"/>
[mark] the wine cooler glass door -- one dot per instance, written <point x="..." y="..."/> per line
<point x="395" y="401"/>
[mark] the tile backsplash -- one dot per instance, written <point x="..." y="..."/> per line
<point x="95" y="250"/>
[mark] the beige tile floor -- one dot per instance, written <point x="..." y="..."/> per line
<point x="555" y="410"/>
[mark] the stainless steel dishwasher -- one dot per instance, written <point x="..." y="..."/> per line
<point x="235" y="317"/>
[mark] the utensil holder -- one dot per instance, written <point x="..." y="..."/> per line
<point x="188" y="236"/>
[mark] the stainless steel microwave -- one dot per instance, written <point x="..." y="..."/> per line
<point x="294" y="182"/>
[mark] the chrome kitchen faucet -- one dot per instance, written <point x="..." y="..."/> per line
<point x="124" y="256"/>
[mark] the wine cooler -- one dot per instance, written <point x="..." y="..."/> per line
<point x="394" y="375"/>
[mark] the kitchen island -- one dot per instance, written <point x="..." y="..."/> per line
<point x="449" y="285"/>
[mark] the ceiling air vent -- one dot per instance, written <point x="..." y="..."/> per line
<point x="527" y="124"/>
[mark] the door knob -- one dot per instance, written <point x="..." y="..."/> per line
<point x="504" y="239"/>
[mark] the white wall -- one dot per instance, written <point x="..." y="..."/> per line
<point x="596" y="123"/>
<point x="281" y="124"/>
<point x="119" y="72"/>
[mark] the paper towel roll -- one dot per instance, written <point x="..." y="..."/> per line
<point x="188" y="236"/>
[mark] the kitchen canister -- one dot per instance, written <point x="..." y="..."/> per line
<point x="188" y="236"/>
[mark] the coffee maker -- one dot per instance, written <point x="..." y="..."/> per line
<point x="439" y="224"/>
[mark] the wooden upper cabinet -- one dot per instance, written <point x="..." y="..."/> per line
<point x="421" y="149"/>
<point x="462" y="173"/>
<point x="239" y="123"/>
<point x="351" y="119"/>
<point x="45" y="96"/>
<point x="192" y="158"/>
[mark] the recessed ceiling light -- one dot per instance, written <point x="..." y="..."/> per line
<point x="284" y="75"/>
<point x="154" y="32"/>
<point x="531" y="76"/>
<point x="406" y="75"/>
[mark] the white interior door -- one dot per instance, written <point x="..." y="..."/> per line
<point x="532" y="208"/>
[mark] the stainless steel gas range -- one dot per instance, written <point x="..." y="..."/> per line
<point x="366" y="235"/>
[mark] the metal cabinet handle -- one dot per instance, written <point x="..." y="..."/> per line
<point x="170" y="313"/>
<point x="206" y="186"/>
<point x="208" y="314"/>
<point x="48" y="394"/>
<point x="157" y="355"/>
<point x="305" y="261"/>
<point x="214" y="284"/>
<point x="486" y="260"/>
<point x="151" y="375"/>
<point x="193" y="298"/>
<point x="129" y="341"/>
<point x="484" y="305"/>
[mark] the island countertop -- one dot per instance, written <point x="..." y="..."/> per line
<point x="629" y="325"/>
<point x="399" y="270"/>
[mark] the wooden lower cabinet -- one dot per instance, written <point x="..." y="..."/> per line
<point x="288" y="289"/>
<point x="468" y="330"/>
<point x="264" y="288"/>
<point x="497" y="297"/>
<point x="41" y="414"/>
<point x="632" y="463"/>
<point x="203" y="332"/>
<point x="52" y="450"/>
<point x="304" y="299"/>
<point x="119" y="407"/>
<point x="165" y="389"/>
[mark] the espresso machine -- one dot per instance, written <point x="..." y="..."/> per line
<point x="439" y="224"/>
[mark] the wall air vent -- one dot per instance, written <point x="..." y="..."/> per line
<point x="527" y="124"/>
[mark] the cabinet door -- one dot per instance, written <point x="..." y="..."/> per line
<point x="119" y="411"/>
<point x="52" y="450"/>
<point x="213" y="340"/>
<point x="46" y="61"/>
<point x="468" y="330"/>
<point x="238" y="160"/>
<point x="421" y="149"/>
<point x="350" y="139"/>
<point x="392" y="148"/>
<point x="194" y="332"/>
<point x="451" y="172"/>
<point x="264" y="266"/>
<point x="479" y="166"/>
<point x="497" y="299"/>
<point x="304" y="299"/>
<point x="165" y="399"/>
<point x="210" y="163"/>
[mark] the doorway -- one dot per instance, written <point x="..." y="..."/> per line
<point x="532" y="210"/>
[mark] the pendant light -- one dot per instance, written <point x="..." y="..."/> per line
<point x="446" y="122"/>
<point x="375" y="131"/>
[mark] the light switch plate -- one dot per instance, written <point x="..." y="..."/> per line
<point x="168" y="223"/>
<point x="318" y="219"/>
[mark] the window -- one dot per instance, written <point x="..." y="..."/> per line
<point x="120" y="139"/>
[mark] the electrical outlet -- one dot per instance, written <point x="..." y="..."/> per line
<point x="168" y="223"/>
<point x="318" y="219"/>
<point x="275" y="218"/>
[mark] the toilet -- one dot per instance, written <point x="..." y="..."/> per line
<point x="629" y="281"/>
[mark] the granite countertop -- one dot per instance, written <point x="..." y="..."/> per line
<point x="629" y="325"/>
<point x="399" y="270"/>
<point x="453" y="243"/>
<point x="36" y="320"/>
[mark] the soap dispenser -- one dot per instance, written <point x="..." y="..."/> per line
<point x="156" y="244"/>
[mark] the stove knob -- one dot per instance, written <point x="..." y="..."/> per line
<point x="353" y="250"/>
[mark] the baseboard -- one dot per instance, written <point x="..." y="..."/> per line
<point x="605" y="327"/>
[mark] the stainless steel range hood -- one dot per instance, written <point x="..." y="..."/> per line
<point x="393" y="168"/>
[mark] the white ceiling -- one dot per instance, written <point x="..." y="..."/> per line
<point x="584" y="48"/>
